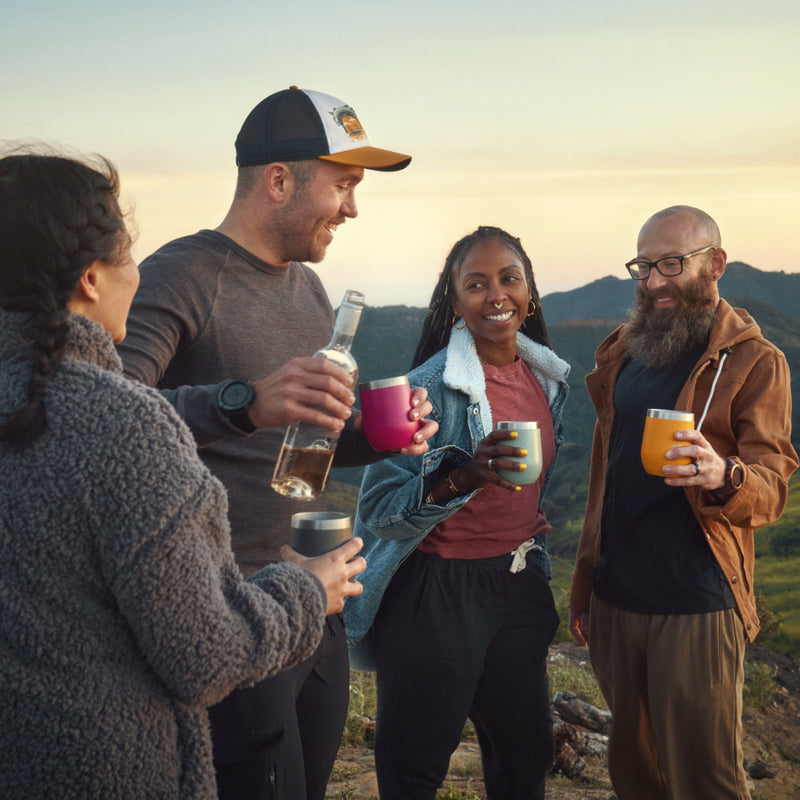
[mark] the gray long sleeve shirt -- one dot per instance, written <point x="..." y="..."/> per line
<point x="207" y="311"/>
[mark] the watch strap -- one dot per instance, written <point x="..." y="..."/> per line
<point x="725" y="492"/>
<point x="241" y="419"/>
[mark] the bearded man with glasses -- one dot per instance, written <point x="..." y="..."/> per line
<point x="662" y="589"/>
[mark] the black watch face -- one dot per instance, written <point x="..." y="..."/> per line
<point x="236" y="395"/>
<point x="737" y="477"/>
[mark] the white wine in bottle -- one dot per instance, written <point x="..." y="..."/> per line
<point x="304" y="462"/>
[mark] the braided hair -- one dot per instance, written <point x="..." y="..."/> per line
<point x="57" y="216"/>
<point x="438" y="321"/>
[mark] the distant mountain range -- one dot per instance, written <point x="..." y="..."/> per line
<point x="388" y="335"/>
<point x="612" y="296"/>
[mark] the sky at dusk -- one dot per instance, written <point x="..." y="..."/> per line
<point x="568" y="123"/>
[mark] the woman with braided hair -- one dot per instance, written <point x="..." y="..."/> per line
<point x="43" y="259"/>
<point x="457" y="612"/>
<point x="124" y="615"/>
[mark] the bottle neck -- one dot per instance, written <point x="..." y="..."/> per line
<point x="345" y="327"/>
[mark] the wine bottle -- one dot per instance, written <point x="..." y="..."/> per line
<point x="304" y="462"/>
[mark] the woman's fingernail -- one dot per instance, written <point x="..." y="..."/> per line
<point x="523" y="467"/>
<point x="523" y="452"/>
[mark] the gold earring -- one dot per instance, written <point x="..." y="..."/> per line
<point x="531" y="307"/>
<point x="455" y="317"/>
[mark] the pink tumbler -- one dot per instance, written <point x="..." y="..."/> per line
<point x="384" y="413"/>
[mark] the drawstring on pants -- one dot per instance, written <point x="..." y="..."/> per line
<point x="519" y="553"/>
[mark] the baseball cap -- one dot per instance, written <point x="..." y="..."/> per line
<point x="298" y="124"/>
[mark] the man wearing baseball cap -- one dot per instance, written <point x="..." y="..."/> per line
<point x="224" y="323"/>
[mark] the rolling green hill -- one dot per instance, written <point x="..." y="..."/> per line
<point x="777" y="570"/>
<point x="612" y="296"/>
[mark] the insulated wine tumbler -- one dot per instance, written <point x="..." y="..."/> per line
<point x="528" y="438"/>
<point x="384" y="413"/>
<point x="316" y="532"/>
<point x="660" y="426"/>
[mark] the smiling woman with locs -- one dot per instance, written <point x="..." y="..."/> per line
<point x="457" y="611"/>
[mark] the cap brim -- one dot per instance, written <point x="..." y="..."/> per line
<point x="370" y="158"/>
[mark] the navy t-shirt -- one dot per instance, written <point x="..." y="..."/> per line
<point x="654" y="555"/>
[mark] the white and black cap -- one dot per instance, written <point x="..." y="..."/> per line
<point x="299" y="124"/>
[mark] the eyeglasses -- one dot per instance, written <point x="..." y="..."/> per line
<point x="669" y="267"/>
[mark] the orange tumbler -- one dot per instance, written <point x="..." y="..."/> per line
<point x="660" y="427"/>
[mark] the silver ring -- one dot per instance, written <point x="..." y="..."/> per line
<point x="696" y="469"/>
<point x="491" y="464"/>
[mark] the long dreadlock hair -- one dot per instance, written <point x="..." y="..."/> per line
<point x="438" y="321"/>
<point x="57" y="216"/>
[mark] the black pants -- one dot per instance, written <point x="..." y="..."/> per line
<point x="278" y="740"/>
<point x="459" y="638"/>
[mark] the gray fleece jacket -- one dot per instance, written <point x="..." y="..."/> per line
<point x="122" y="612"/>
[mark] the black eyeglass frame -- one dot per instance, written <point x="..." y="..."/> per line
<point x="634" y="264"/>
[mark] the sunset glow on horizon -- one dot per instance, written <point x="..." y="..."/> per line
<point x="568" y="124"/>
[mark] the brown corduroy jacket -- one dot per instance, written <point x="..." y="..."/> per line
<point x="748" y="418"/>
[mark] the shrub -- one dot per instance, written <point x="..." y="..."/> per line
<point x="361" y="708"/>
<point x="579" y="680"/>
<point x="760" y="687"/>
<point x="561" y="597"/>
<point x="770" y="622"/>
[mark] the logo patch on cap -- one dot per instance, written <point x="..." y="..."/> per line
<point x="345" y="117"/>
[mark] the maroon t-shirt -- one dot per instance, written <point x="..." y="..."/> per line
<point x="496" y="520"/>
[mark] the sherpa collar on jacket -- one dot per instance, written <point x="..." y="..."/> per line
<point x="463" y="370"/>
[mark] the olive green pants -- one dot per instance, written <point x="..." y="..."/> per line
<point x="674" y="687"/>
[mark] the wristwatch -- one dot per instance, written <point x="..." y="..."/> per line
<point x="734" y="478"/>
<point x="234" y="399"/>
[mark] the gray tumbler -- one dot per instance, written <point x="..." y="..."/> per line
<point x="316" y="532"/>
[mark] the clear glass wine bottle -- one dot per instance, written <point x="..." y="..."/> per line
<point x="304" y="462"/>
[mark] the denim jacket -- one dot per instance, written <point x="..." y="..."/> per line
<point x="392" y="517"/>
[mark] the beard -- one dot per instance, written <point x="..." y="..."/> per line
<point x="663" y="337"/>
<point x="299" y="233"/>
